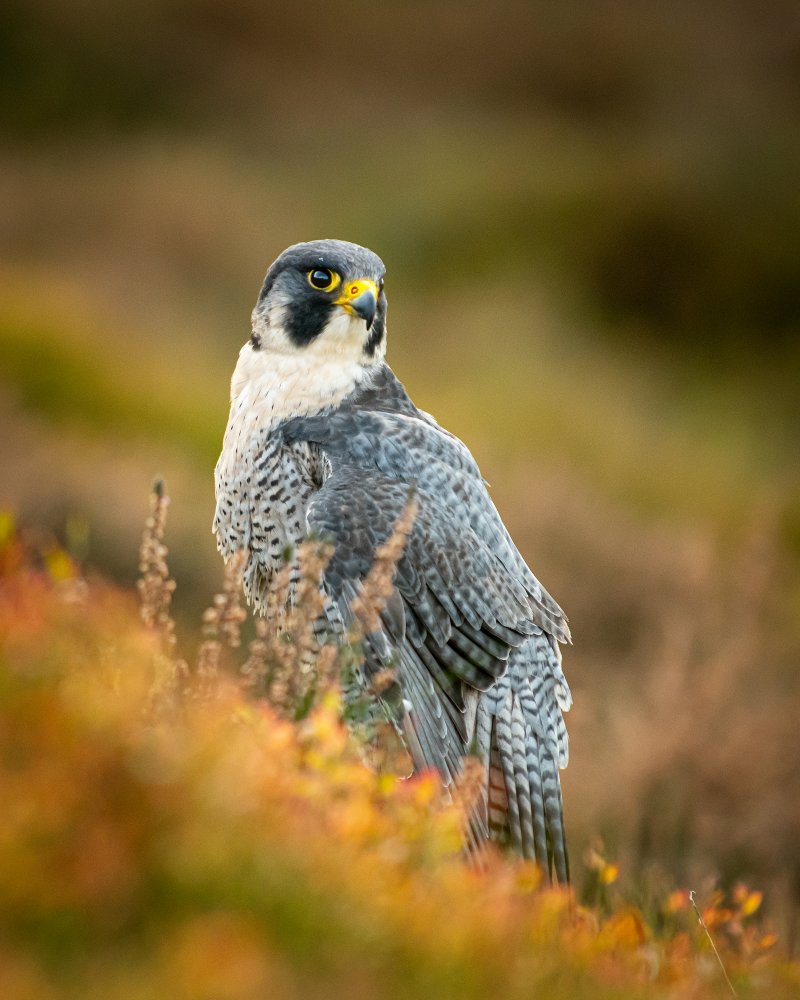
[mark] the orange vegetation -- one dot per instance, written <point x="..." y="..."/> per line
<point x="216" y="848"/>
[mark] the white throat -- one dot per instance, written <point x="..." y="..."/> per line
<point x="278" y="381"/>
<point x="271" y="386"/>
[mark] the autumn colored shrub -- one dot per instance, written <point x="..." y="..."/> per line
<point x="173" y="835"/>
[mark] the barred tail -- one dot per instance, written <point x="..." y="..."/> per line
<point x="519" y="735"/>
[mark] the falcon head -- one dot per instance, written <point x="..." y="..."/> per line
<point x="324" y="298"/>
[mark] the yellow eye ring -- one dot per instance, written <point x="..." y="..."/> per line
<point x="323" y="279"/>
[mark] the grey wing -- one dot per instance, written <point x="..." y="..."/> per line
<point x="478" y="656"/>
<point x="414" y="450"/>
<point x="447" y="629"/>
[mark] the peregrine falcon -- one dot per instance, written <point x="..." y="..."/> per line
<point x="323" y="440"/>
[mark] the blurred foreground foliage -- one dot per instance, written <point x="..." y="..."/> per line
<point x="208" y="846"/>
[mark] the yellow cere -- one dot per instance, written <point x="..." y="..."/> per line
<point x="355" y="288"/>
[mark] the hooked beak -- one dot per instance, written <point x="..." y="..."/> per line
<point x="360" y="298"/>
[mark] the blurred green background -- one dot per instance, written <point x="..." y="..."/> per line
<point x="590" y="215"/>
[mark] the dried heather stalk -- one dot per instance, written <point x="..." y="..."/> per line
<point x="382" y="680"/>
<point x="154" y="585"/>
<point x="379" y="582"/>
<point x="256" y="667"/>
<point x="327" y="669"/>
<point x="301" y="664"/>
<point x="468" y="787"/>
<point x="155" y="593"/>
<point x="309" y="602"/>
<point x="222" y="622"/>
<point x="286" y="660"/>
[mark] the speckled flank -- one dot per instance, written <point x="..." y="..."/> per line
<point x="262" y="486"/>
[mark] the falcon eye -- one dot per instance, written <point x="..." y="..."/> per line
<point x="323" y="279"/>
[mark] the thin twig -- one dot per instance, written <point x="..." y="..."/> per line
<point x="156" y="588"/>
<point x="222" y="624"/>
<point x="711" y="940"/>
<point x="378" y="584"/>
